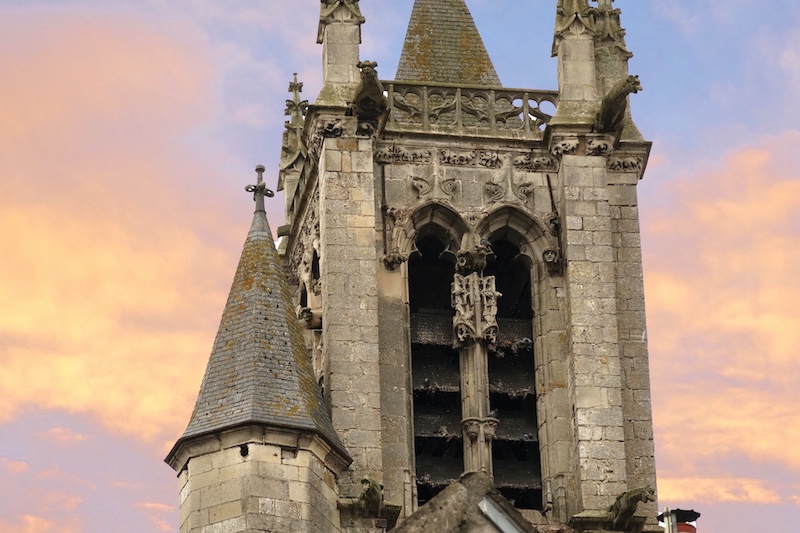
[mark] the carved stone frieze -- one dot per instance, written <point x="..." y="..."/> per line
<point x="394" y="154"/>
<point x="599" y="146"/>
<point x="626" y="164"/>
<point x="536" y="163"/>
<point x="450" y="157"/>
<point x="488" y="159"/>
<point x="565" y="147"/>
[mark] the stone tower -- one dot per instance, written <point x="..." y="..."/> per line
<point x="465" y="266"/>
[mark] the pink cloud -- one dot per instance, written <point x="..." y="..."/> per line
<point x="62" y="436"/>
<point x="156" y="512"/>
<point x="14" y="467"/>
<point x="722" y="293"/>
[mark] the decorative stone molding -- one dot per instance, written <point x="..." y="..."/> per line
<point x="524" y="191"/>
<point x="599" y="146"/>
<point x="470" y="159"/>
<point x="490" y="160"/>
<point x="450" y="187"/>
<point x="565" y="147"/>
<point x="422" y="186"/>
<point x="394" y="154"/>
<point x="474" y="299"/>
<point x="626" y="164"/>
<point x="495" y="191"/>
<point x="464" y="159"/>
<point x="490" y="112"/>
<point x="536" y="162"/>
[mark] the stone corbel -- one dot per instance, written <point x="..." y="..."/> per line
<point x="552" y="260"/>
<point x="394" y="259"/>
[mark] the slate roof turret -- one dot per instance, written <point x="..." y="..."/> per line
<point x="443" y="46"/>
<point x="259" y="371"/>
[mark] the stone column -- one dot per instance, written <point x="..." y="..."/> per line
<point x="349" y="266"/>
<point x="475" y="332"/>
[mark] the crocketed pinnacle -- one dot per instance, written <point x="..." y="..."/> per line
<point x="259" y="371"/>
<point x="443" y="46"/>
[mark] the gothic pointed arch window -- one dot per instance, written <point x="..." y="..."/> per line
<point x="437" y="402"/>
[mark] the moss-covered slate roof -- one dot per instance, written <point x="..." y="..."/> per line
<point x="443" y="46"/>
<point x="259" y="371"/>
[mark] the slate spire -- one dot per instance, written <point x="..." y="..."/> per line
<point x="259" y="371"/>
<point x="443" y="46"/>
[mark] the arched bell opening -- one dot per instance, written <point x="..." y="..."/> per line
<point x="512" y="396"/>
<point x="434" y="365"/>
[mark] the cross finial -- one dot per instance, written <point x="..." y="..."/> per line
<point x="296" y="108"/>
<point x="260" y="190"/>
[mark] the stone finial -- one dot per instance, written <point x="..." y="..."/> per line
<point x="569" y="11"/>
<point x="260" y="190"/>
<point x="351" y="13"/>
<point x="295" y="108"/>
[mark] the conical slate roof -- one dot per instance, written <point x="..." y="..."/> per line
<point x="259" y="371"/>
<point x="443" y="46"/>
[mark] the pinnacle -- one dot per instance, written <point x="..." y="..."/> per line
<point x="443" y="46"/>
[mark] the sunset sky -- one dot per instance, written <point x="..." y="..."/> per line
<point x="128" y="131"/>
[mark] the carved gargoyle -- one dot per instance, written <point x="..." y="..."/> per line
<point x="621" y="512"/>
<point x="371" y="500"/>
<point x="369" y="102"/>
<point x="615" y="103"/>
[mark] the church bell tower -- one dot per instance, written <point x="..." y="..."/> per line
<point x="464" y="298"/>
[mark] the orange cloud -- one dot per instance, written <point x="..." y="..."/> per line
<point x="114" y="286"/>
<point x="722" y="291"/>
<point x="717" y="490"/>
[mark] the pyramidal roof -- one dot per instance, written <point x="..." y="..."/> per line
<point x="443" y="46"/>
<point x="259" y="371"/>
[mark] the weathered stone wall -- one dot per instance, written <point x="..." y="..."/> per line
<point x="349" y="264"/>
<point x="258" y="487"/>
<point x="639" y="449"/>
<point x="592" y="337"/>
